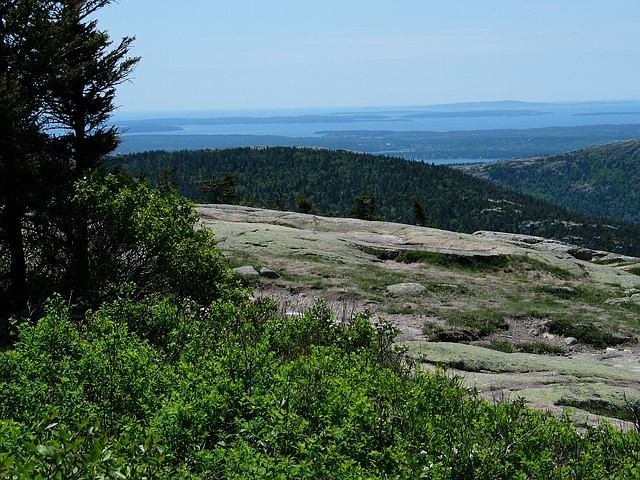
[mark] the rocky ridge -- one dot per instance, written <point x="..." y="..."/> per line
<point x="350" y="265"/>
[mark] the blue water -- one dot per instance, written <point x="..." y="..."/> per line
<point x="438" y="118"/>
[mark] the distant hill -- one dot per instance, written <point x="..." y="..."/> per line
<point x="331" y="179"/>
<point x="602" y="180"/>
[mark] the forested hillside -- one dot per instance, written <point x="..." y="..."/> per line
<point x="602" y="180"/>
<point x="278" y="177"/>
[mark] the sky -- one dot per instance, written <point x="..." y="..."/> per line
<point x="281" y="54"/>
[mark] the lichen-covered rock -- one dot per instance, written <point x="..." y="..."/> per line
<point x="581" y="254"/>
<point x="247" y="271"/>
<point x="406" y="288"/>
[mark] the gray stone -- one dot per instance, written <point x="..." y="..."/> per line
<point x="571" y="341"/>
<point x="406" y="288"/>
<point x="581" y="254"/>
<point x="247" y="271"/>
<point x="266" y="272"/>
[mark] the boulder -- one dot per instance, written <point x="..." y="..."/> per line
<point x="246" y="271"/>
<point x="581" y="254"/>
<point x="268" y="273"/>
<point x="571" y="341"/>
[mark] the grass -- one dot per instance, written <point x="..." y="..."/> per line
<point x="581" y="293"/>
<point x="472" y="294"/>
<point x="238" y="259"/>
<point x="431" y="331"/>
<point x="400" y="310"/>
<point x="585" y="332"/>
<point x="371" y="277"/>
<point x="505" y="347"/>
<point x="447" y="288"/>
<point x="481" y="263"/>
<point x="540" y="348"/>
<point x="599" y="407"/>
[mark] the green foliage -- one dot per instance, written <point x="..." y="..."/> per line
<point x="144" y="238"/>
<point x="579" y="293"/>
<point x="419" y="215"/>
<point x="303" y="204"/>
<point x="365" y="208"/>
<point x="91" y="370"/>
<point x="600" y="180"/>
<point x="167" y="370"/>
<point x="220" y="189"/>
<point x="586" y="332"/>
<point x="599" y="407"/>
<point x="483" y="321"/>
<point x="237" y="391"/>
<point x="504" y="347"/>
<point x="540" y="348"/>
<point x="59" y="77"/>
<point x="49" y="450"/>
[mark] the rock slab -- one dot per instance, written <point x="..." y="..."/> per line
<point x="246" y="270"/>
<point x="406" y="288"/>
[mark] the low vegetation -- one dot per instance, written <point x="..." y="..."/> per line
<point x="584" y="331"/>
<point x="234" y="390"/>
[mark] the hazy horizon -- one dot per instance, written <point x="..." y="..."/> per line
<point x="245" y="55"/>
<point x="479" y="105"/>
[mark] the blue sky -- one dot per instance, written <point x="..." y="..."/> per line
<point x="265" y="54"/>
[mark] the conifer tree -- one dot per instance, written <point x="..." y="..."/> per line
<point x="58" y="79"/>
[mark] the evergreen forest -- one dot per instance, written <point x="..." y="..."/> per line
<point x="278" y="177"/>
<point x="603" y="180"/>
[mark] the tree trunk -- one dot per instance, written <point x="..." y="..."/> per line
<point x="16" y="295"/>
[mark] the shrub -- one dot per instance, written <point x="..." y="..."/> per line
<point x="586" y="332"/>
<point x="504" y="347"/>
<point x="540" y="348"/>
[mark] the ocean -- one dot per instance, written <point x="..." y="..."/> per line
<point x="310" y="123"/>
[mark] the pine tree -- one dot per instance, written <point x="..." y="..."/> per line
<point x="58" y="78"/>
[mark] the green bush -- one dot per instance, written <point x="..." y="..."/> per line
<point x="504" y="347"/>
<point x="484" y="321"/>
<point x="540" y="348"/>
<point x="234" y="390"/>
<point x="49" y="450"/>
<point x="586" y="332"/>
<point x="148" y="238"/>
